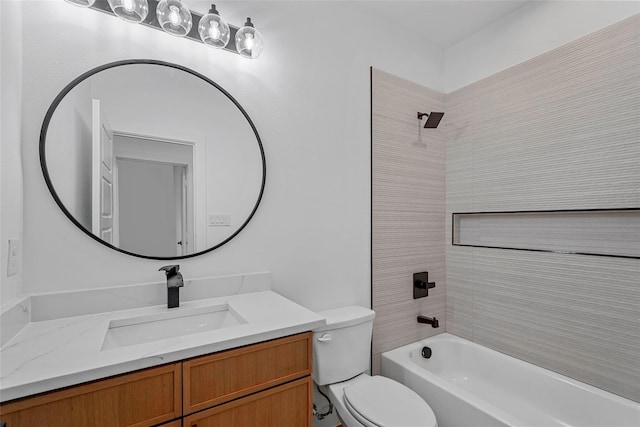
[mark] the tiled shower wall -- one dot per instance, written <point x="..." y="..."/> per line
<point x="408" y="204"/>
<point x="560" y="131"/>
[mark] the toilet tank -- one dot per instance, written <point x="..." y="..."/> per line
<point x="342" y="348"/>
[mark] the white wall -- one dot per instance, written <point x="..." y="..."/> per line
<point x="10" y="145"/>
<point x="308" y="96"/>
<point x="71" y="124"/>
<point x="529" y="31"/>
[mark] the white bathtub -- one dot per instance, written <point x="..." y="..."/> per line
<point x="469" y="385"/>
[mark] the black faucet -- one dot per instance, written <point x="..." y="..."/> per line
<point x="430" y="320"/>
<point x="174" y="283"/>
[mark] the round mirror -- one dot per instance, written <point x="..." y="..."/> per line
<point x="152" y="159"/>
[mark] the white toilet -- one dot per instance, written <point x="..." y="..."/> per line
<point x="341" y="356"/>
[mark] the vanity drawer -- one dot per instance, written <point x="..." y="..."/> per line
<point x="288" y="405"/>
<point x="221" y="377"/>
<point x="139" y="399"/>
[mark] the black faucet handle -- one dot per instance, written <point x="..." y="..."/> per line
<point x="421" y="284"/>
<point x="425" y="285"/>
<point x="170" y="270"/>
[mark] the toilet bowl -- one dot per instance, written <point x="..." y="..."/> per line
<point x="341" y="352"/>
<point x="379" y="402"/>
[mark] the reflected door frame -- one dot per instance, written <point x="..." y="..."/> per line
<point x="196" y="218"/>
<point x="102" y="175"/>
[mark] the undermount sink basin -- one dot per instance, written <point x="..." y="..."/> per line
<point x="170" y="324"/>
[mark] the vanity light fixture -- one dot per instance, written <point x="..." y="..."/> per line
<point x="134" y="11"/>
<point x="175" y="18"/>
<point x="214" y="30"/>
<point x="249" y="41"/>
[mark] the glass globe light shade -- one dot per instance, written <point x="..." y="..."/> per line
<point x="249" y="41"/>
<point x="81" y="3"/>
<point x="214" y="30"/>
<point x="174" y="17"/>
<point x="134" y="11"/>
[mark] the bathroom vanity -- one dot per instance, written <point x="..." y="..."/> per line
<point x="266" y="384"/>
<point x="238" y="359"/>
<point x="224" y="351"/>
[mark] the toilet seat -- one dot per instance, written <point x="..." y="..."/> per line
<point x="381" y="402"/>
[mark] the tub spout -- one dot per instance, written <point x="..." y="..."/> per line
<point x="430" y="320"/>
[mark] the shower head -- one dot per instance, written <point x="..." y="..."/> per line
<point x="433" y="119"/>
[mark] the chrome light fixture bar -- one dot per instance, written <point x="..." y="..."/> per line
<point x="151" y="21"/>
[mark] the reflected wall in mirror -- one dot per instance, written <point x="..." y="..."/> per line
<point x="152" y="159"/>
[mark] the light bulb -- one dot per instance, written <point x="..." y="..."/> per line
<point x="214" y="30"/>
<point x="134" y="11"/>
<point x="249" y="41"/>
<point x="174" y="17"/>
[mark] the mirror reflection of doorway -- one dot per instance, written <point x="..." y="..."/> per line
<point x="151" y="207"/>
<point x="153" y="194"/>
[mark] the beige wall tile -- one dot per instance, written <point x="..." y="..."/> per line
<point x="560" y="131"/>
<point x="408" y="208"/>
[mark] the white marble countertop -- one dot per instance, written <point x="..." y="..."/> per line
<point x="56" y="353"/>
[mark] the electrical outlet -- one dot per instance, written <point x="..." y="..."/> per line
<point x="13" y="257"/>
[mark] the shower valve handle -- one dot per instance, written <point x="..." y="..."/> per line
<point x="425" y="285"/>
<point x="421" y="285"/>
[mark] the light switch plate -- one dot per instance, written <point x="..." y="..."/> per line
<point x="219" y="220"/>
<point x="13" y="257"/>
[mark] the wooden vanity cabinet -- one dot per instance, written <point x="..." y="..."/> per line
<point x="266" y="384"/>
<point x="139" y="399"/>
<point x="288" y="405"/>
<point x="228" y="375"/>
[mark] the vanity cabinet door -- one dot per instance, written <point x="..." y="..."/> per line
<point x="139" y="399"/>
<point x="222" y="377"/>
<point x="288" y="405"/>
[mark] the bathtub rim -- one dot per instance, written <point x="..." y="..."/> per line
<point x="401" y="357"/>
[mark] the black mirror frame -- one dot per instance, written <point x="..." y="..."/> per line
<point x="79" y="79"/>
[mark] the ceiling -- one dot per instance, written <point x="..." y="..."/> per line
<point x="444" y="22"/>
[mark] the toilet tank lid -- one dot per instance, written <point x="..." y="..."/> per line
<point x="345" y="316"/>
